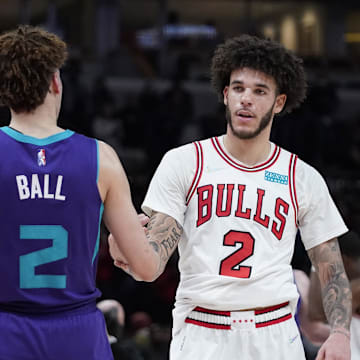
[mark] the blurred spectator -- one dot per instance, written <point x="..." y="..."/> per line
<point x="313" y="333"/>
<point x="312" y="320"/>
<point x="355" y="323"/>
<point x="76" y="113"/>
<point x="114" y="314"/>
<point x="152" y="338"/>
<point x="213" y="124"/>
<point x="178" y="110"/>
<point x="107" y="126"/>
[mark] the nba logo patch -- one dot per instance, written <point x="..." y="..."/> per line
<point x="41" y="158"/>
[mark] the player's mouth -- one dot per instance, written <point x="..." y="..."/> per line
<point x="244" y="115"/>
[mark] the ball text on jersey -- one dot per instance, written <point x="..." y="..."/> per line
<point x="32" y="188"/>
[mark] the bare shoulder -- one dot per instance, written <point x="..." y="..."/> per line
<point x="107" y="155"/>
<point x="111" y="172"/>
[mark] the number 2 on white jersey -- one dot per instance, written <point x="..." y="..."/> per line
<point x="230" y="266"/>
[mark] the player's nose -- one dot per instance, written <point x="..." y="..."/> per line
<point x="246" y="97"/>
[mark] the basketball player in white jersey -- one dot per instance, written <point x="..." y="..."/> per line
<point x="233" y="205"/>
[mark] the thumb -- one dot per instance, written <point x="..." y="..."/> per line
<point x="143" y="219"/>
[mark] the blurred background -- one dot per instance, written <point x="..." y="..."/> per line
<point x="138" y="78"/>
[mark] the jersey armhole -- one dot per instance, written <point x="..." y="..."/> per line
<point x="198" y="171"/>
<point x="292" y="187"/>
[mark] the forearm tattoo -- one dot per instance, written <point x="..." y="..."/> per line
<point x="164" y="234"/>
<point x="335" y="288"/>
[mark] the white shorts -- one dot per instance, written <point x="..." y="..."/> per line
<point x="271" y="333"/>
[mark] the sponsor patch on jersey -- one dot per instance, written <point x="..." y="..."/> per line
<point x="41" y="157"/>
<point x="277" y="178"/>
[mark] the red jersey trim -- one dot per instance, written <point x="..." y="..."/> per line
<point x="198" y="172"/>
<point x="292" y="187"/>
<point x="265" y="165"/>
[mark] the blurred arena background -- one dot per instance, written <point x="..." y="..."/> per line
<point x="138" y="78"/>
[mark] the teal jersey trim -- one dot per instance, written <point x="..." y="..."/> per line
<point x="36" y="141"/>
<point x="96" y="250"/>
<point x="98" y="161"/>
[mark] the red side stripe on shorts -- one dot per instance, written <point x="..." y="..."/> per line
<point x="208" y="325"/>
<point x="214" y="312"/>
<point x="271" y="308"/>
<point x="273" y="322"/>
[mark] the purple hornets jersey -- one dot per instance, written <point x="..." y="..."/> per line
<point x="50" y="216"/>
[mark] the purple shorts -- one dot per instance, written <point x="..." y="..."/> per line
<point x="70" y="337"/>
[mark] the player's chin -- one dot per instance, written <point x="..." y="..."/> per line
<point x="244" y="133"/>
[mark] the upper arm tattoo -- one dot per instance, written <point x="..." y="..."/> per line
<point x="335" y="289"/>
<point x="164" y="233"/>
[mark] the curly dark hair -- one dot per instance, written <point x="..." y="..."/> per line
<point x="266" y="56"/>
<point x="29" y="56"/>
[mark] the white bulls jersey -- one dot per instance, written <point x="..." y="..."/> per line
<point x="239" y="224"/>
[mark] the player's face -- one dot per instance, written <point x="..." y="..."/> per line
<point x="251" y="102"/>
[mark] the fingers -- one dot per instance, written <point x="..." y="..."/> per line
<point x="115" y="252"/>
<point x="143" y="219"/>
<point x="121" y="264"/>
<point x="320" y="354"/>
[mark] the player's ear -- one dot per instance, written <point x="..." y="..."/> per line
<point x="279" y="103"/>
<point x="55" y="85"/>
<point x="225" y="93"/>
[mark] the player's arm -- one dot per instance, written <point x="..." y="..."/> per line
<point x="336" y="297"/>
<point x="121" y="218"/>
<point x="315" y="331"/>
<point x="165" y="203"/>
<point x="164" y="233"/>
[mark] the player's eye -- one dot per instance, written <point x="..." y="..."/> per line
<point x="260" y="92"/>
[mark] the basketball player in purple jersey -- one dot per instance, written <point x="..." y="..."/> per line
<point x="233" y="205"/>
<point x="55" y="187"/>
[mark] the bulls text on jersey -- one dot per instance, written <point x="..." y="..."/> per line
<point x="205" y="201"/>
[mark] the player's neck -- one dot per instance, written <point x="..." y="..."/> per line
<point x="40" y="123"/>
<point x="248" y="151"/>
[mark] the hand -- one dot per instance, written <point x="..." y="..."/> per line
<point x="336" y="347"/>
<point x="116" y="254"/>
<point x="143" y="219"/>
<point x="118" y="257"/>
